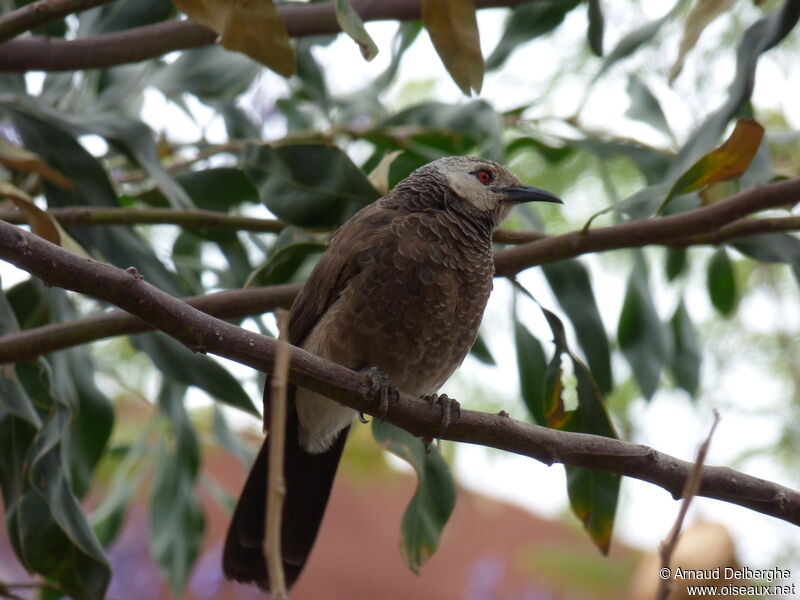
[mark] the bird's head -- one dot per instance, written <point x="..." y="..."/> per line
<point x="486" y="187"/>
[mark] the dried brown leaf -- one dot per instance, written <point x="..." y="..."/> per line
<point x="252" y="27"/>
<point x="454" y="32"/>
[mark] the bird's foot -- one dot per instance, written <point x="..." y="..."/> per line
<point x="381" y="389"/>
<point x="449" y="406"/>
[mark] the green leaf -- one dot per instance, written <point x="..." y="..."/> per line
<point x="763" y="35"/>
<point x="676" y="263"/>
<point x="453" y="28"/>
<point x="312" y="78"/>
<point x="593" y="496"/>
<point x="210" y="73"/>
<point x="771" y="247"/>
<point x="728" y="161"/>
<point x="686" y="358"/>
<point x="47" y="527"/>
<point x="230" y="440"/>
<point x="308" y="185"/>
<point x="596" y="27"/>
<point x="177" y="362"/>
<point x="211" y="189"/>
<point x="642" y="337"/>
<point x="633" y="40"/>
<point x="177" y="522"/>
<point x="119" y="245"/>
<point x="129" y="473"/>
<point x="525" y="23"/>
<point x="722" y="282"/>
<point x="474" y="127"/>
<point x="433" y="501"/>
<point x="572" y="287"/>
<point x="645" y="107"/>
<point x="284" y="263"/>
<point x="353" y="26"/>
<point x="532" y="369"/>
<point x="127" y="15"/>
<point x="481" y="351"/>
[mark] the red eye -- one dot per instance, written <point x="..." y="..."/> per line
<point x="485" y="177"/>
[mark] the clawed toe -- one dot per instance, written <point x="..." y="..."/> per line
<point x="381" y="389"/>
<point x="449" y="407"/>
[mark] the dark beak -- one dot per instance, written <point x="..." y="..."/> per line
<point x="528" y="193"/>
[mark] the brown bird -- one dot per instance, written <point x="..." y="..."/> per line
<point x="399" y="291"/>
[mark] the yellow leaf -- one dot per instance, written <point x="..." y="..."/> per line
<point x="726" y="162"/>
<point x="454" y="32"/>
<point x="41" y="223"/>
<point x="24" y="160"/>
<point x="252" y="27"/>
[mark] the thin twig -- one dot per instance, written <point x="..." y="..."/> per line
<point x="690" y="490"/>
<point x="276" y="485"/>
<point x="203" y="333"/>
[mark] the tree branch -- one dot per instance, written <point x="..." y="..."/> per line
<point x="142" y="43"/>
<point x="40" y="13"/>
<point x="231" y="304"/>
<point x="671" y="230"/>
<point x="29" y="344"/>
<point x="203" y="333"/>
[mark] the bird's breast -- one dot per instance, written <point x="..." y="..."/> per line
<point x="415" y="306"/>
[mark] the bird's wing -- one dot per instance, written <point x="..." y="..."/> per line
<point x="342" y="261"/>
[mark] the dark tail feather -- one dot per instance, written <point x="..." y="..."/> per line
<point x="309" y="478"/>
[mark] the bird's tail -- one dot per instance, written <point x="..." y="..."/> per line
<point x="308" y="478"/>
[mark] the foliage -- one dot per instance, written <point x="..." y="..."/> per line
<point x="339" y="151"/>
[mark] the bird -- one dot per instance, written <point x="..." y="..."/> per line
<point x="399" y="293"/>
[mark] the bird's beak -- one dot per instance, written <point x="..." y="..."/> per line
<point x="528" y="193"/>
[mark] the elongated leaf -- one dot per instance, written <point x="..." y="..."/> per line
<point x="772" y="247"/>
<point x="177" y="362"/>
<point x="676" y="263"/>
<point x="176" y="517"/>
<point x="722" y="282"/>
<point x="702" y="14"/>
<point x="308" y="185"/>
<point x="527" y="22"/>
<point x="481" y="351"/>
<point x="593" y="496"/>
<point x="210" y="73"/>
<point x="686" y="358"/>
<point x="728" y="161"/>
<point x="643" y="339"/>
<point x="252" y="27"/>
<point x="231" y="440"/>
<point x="454" y="32"/>
<point x="284" y="263"/>
<point x="570" y="283"/>
<point x="596" y="27"/>
<point x="353" y="26"/>
<point x="21" y="159"/>
<point x="759" y="37"/>
<point x="532" y="369"/>
<point x="41" y="223"/>
<point x="633" y="40"/>
<point x="433" y="501"/>
<point x="120" y="245"/>
<point x="645" y="106"/>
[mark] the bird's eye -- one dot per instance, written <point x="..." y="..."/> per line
<point x="484" y="176"/>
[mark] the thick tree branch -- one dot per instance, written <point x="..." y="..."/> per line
<point x="658" y="230"/>
<point x="134" y="45"/>
<point x="39" y="13"/>
<point x="203" y="333"/>
<point x="26" y="345"/>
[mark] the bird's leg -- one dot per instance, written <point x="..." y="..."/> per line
<point x="448" y="405"/>
<point x="381" y="388"/>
